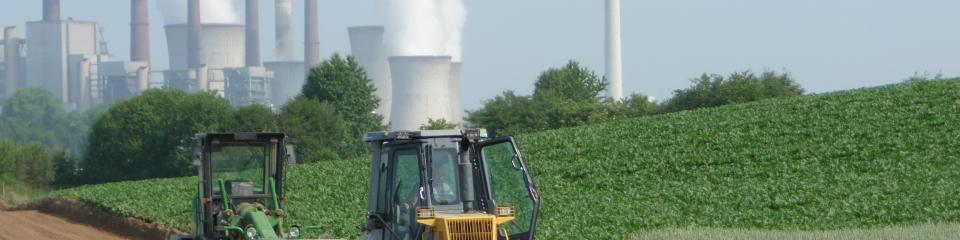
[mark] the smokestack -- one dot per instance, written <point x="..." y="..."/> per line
<point x="139" y="31"/>
<point x="284" y="30"/>
<point x="454" y="91"/>
<point x="194" y="29"/>
<point x="253" y="33"/>
<point x="420" y="90"/>
<point x="312" y="55"/>
<point x="366" y="44"/>
<point x="614" y="58"/>
<point x="51" y="10"/>
<point x="11" y="58"/>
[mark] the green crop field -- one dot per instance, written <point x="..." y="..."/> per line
<point x="859" y="159"/>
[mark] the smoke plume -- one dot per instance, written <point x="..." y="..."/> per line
<point x="425" y="27"/>
<point x="212" y="11"/>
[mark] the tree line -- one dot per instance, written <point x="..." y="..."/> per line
<point x="152" y="135"/>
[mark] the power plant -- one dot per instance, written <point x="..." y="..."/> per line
<point x="70" y="59"/>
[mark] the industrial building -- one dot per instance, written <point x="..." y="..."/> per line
<point x="70" y="58"/>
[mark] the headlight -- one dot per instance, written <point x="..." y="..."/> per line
<point x="294" y="232"/>
<point x="506" y="211"/>
<point x="425" y="213"/>
<point x="251" y="232"/>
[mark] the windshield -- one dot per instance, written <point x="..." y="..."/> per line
<point x="443" y="175"/>
<point x="242" y="167"/>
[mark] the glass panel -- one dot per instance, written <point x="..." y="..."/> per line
<point x="239" y="165"/>
<point x="508" y="185"/>
<point x="406" y="189"/>
<point x="444" y="178"/>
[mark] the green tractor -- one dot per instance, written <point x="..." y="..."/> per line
<point x="448" y="185"/>
<point x="240" y="193"/>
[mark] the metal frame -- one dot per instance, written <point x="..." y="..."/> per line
<point x="207" y="195"/>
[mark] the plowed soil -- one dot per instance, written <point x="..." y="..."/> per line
<point x="30" y="224"/>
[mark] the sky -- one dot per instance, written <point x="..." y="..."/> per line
<point x="827" y="45"/>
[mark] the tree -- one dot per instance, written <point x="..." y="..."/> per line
<point x="438" y="124"/>
<point x="254" y="118"/>
<point x="740" y="87"/>
<point x="150" y="136"/>
<point x="507" y="114"/>
<point x="344" y="84"/>
<point x="571" y="82"/>
<point x="35" y="115"/>
<point x="315" y="128"/>
<point x="563" y="97"/>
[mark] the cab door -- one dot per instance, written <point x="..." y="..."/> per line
<point x="508" y="182"/>
<point x="406" y="190"/>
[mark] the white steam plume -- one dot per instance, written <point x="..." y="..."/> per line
<point x="425" y="27"/>
<point x="212" y="11"/>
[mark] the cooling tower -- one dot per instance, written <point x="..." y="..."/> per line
<point x="253" y="33"/>
<point x="312" y="35"/>
<point x="223" y="46"/>
<point x="284" y="30"/>
<point x="11" y="59"/>
<point x="455" y="110"/>
<point x="366" y="44"/>
<point x="51" y="10"/>
<point x="194" y="35"/>
<point x="139" y="31"/>
<point x="614" y="58"/>
<point x="421" y="87"/>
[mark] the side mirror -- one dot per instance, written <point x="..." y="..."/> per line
<point x="291" y="155"/>
<point x="197" y="155"/>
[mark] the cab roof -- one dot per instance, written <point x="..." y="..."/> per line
<point x="477" y="133"/>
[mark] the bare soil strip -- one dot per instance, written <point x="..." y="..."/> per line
<point x="71" y="219"/>
<point x="32" y="224"/>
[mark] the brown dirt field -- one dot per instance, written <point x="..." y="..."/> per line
<point x="31" y="224"/>
<point x="77" y="214"/>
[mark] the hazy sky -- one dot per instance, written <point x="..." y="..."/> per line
<point x="827" y="45"/>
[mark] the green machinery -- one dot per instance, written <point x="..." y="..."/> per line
<point x="240" y="193"/>
<point x="448" y="184"/>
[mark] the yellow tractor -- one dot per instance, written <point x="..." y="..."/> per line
<point x="448" y="185"/>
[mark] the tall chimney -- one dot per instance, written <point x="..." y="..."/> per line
<point x="614" y="57"/>
<point x="312" y="55"/>
<point x="253" y="33"/>
<point x="51" y="10"/>
<point x="139" y="31"/>
<point x="194" y="29"/>
<point x="284" y="30"/>
<point x="11" y="58"/>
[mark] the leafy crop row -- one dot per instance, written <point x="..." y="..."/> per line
<point x="864" y="158"/>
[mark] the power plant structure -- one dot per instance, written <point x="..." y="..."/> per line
<point x="70" y="59"/>
<point x="366" y="45"/>
<point x="614" y="71"/>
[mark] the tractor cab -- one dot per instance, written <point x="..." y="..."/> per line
<point x="240" y="193"/>
<point x="449" y="184"/>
